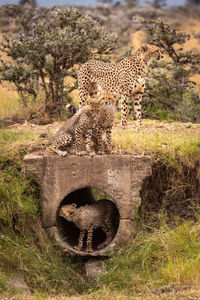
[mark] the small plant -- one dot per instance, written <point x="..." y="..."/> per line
<point x="43" y="56"/>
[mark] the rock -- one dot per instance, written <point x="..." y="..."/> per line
<point x="18" y="283"/>
<point x="94" y="269"/>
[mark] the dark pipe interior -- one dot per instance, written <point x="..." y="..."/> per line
<point x="69" y="232"/>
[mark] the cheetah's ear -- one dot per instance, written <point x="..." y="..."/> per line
<point x="74" y="205"/>
<point x="145" y="48"/>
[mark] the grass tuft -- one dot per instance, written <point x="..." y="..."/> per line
<point x="165" y="257"/>
<point x="24" y="245"/>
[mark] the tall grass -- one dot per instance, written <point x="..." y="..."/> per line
<point x="165" y="257"/>
<point x="9" y="102"/>
<point x="24" y="245"/>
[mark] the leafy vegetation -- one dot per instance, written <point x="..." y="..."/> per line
<point x="24" y="245"/>
<point x="43" y="56"/>
<point x="163" y="255"/>
<point x="170" y="92"/>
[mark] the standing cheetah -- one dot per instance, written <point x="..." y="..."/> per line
<point x="104" y="125"/>
<point x="87" y="218"/>
<point x="122" y="79"/>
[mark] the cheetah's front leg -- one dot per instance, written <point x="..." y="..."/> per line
<point x="108" y="140"/>
<point x="80" y="132"/>
<point x="99" y="134"/>
<point x="80" y="241"/>
<point x="89" y="240"/>
<point x="89" y="142"/>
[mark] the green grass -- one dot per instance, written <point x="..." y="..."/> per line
<point x="24" y="245"/>
<point x="183" y="143"/>
<point x="165" y="256"/>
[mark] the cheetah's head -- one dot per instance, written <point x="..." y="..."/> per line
<point x="67" y="211"/>
<point x="95" y="104"/>
<point x="152" y="51"/>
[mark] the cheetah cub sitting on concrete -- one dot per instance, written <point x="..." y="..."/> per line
<point x="77" y="131"/>
<point x="87" y="218"/>
<point x="87" y="125"/>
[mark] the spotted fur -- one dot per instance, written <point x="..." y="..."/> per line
<point x="104" y="125"/>
<point x="77" y="130"/>
<point x="124" y="79"/>
<point x="85" y="128"/>
<point x="87" y="218"/>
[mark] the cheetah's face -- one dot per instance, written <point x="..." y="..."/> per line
<point x="154" y="51"/>
<point x="157" y="54"/>
<point x="67" y="211"/>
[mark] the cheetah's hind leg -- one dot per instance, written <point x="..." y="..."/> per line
<point x="124" y="111"/>
<point x="61" y="142"/>
<point x="109" y="231"/>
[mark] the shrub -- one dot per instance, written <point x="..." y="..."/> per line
<point x="169" y="86"/>
<point x="44" y="55"/>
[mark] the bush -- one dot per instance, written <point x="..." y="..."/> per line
<point x="44" y="55"/>
<point x="169" y="89"/>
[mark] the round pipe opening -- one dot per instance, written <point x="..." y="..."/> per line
<point x="70" y="233"/>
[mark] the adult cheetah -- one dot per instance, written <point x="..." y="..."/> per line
<point x="121" y="79"/>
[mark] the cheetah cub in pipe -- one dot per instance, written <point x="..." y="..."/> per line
<point x="87" y="218"/>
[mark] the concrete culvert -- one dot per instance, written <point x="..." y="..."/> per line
<point x="105" y="227"/>
<point x="71" y="179"/>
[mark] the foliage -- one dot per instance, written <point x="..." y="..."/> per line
<point x="169" y="86"/>
<point x="160" y="258"/>
<point x="44" y="55"/>
<point x="24" y="245"/>
<point x="29" y="2"/>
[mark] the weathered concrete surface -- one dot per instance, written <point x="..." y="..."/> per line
<point x="120" y="176"/>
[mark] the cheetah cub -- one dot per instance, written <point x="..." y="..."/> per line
<point x="87" y="218"/>
<point x="88" y="125"/>
<point x="104" y="125"/>
<point x="77" y="131"/>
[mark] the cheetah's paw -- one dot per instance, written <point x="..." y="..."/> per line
<point x="77" y="248"/>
